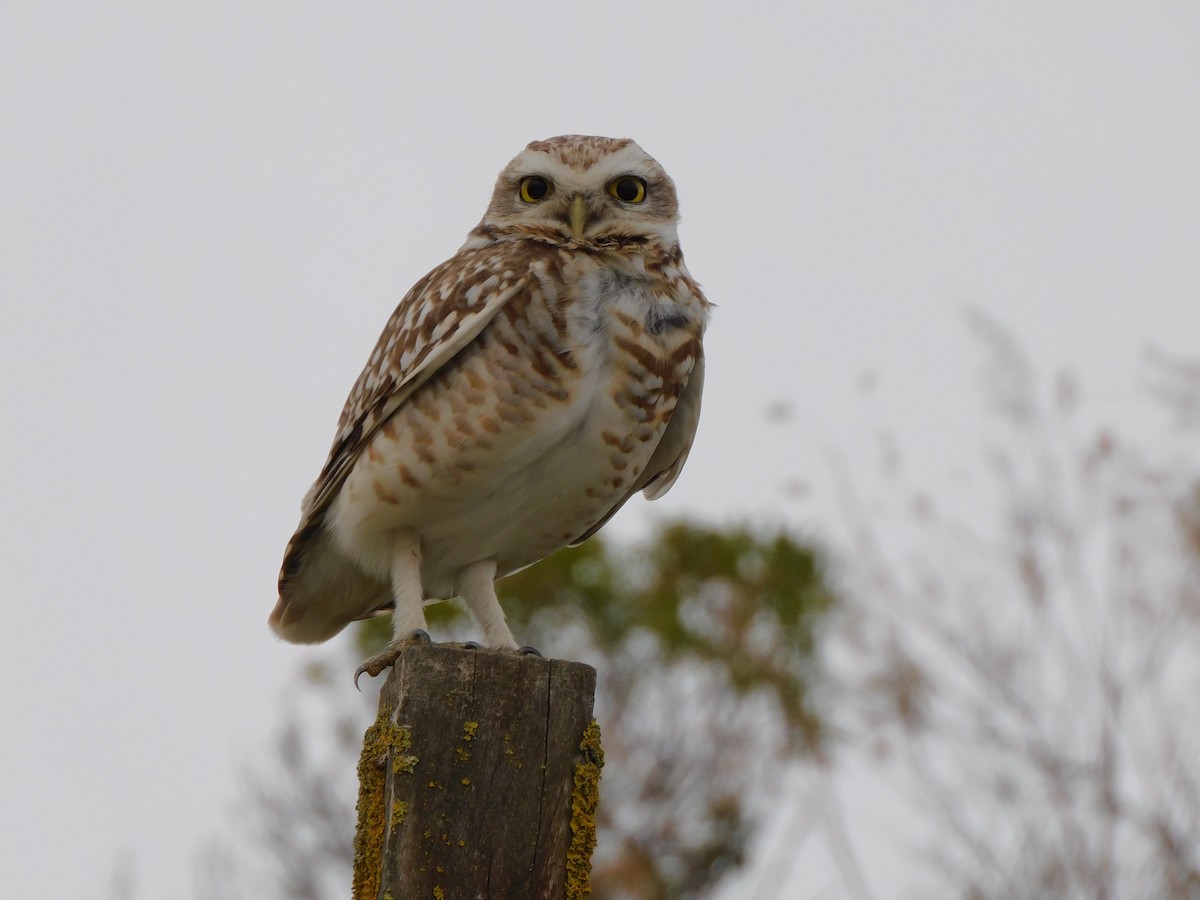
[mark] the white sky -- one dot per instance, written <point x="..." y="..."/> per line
<point x="207" y="212"/>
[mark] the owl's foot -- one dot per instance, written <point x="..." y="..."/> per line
<point x="520" y="651"/>
<point x="375" y="664"/>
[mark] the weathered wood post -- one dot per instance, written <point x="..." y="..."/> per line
<point x="478" y="779"/>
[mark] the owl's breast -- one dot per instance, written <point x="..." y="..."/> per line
<point x="531" y="435"/>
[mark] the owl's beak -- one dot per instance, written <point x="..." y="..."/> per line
<point x="578" y="215"/>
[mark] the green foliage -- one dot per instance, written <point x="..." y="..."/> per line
<point x="723" y="596"/>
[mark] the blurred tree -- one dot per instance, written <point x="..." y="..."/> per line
<point x="704" y="640"/>
<point x="1030" y="677"/>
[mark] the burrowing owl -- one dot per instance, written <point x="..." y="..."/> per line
<point x="521" y="392"/>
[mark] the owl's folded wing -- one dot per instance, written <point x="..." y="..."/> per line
<point x="672" y="451"/>
<point x="442" y="314"/>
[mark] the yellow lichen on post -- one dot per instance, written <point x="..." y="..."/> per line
<point x="468" y="735"/>
<point x="381" y="739"/>
<point x="584" y="798"/>
<point x="399" y="811"/>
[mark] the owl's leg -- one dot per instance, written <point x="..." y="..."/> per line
<point x="408" y="615"/>
<point x="477" y="587"/>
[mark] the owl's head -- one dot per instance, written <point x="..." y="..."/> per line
<point x="589" y="190"/>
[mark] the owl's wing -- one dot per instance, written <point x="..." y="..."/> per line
<point x="442" y="314"/>
<point x="672" y="451"/>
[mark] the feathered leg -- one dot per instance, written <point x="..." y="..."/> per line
<point x="408" y="616"/>
<point x="477" y="586"/>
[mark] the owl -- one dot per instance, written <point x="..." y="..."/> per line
<point x="521" y="392"/>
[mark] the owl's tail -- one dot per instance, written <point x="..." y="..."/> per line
<point x="321" y="591"/>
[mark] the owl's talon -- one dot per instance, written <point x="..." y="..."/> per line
<point x="472" y="645"/>
<point x="387" y="658"/>
<point x="529" y="651"/>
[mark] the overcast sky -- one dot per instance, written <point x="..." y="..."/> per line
<point x="208" y="211"/>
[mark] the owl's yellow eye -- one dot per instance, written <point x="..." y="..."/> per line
<point x="628" y="189"/>
<point x="534" y="188"/>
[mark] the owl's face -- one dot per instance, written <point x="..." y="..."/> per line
<point x="591" y="190"/>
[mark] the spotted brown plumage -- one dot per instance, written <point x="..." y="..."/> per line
<point x="519" y="395"/>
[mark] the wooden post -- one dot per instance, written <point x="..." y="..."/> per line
<point x="478" y="779"/>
